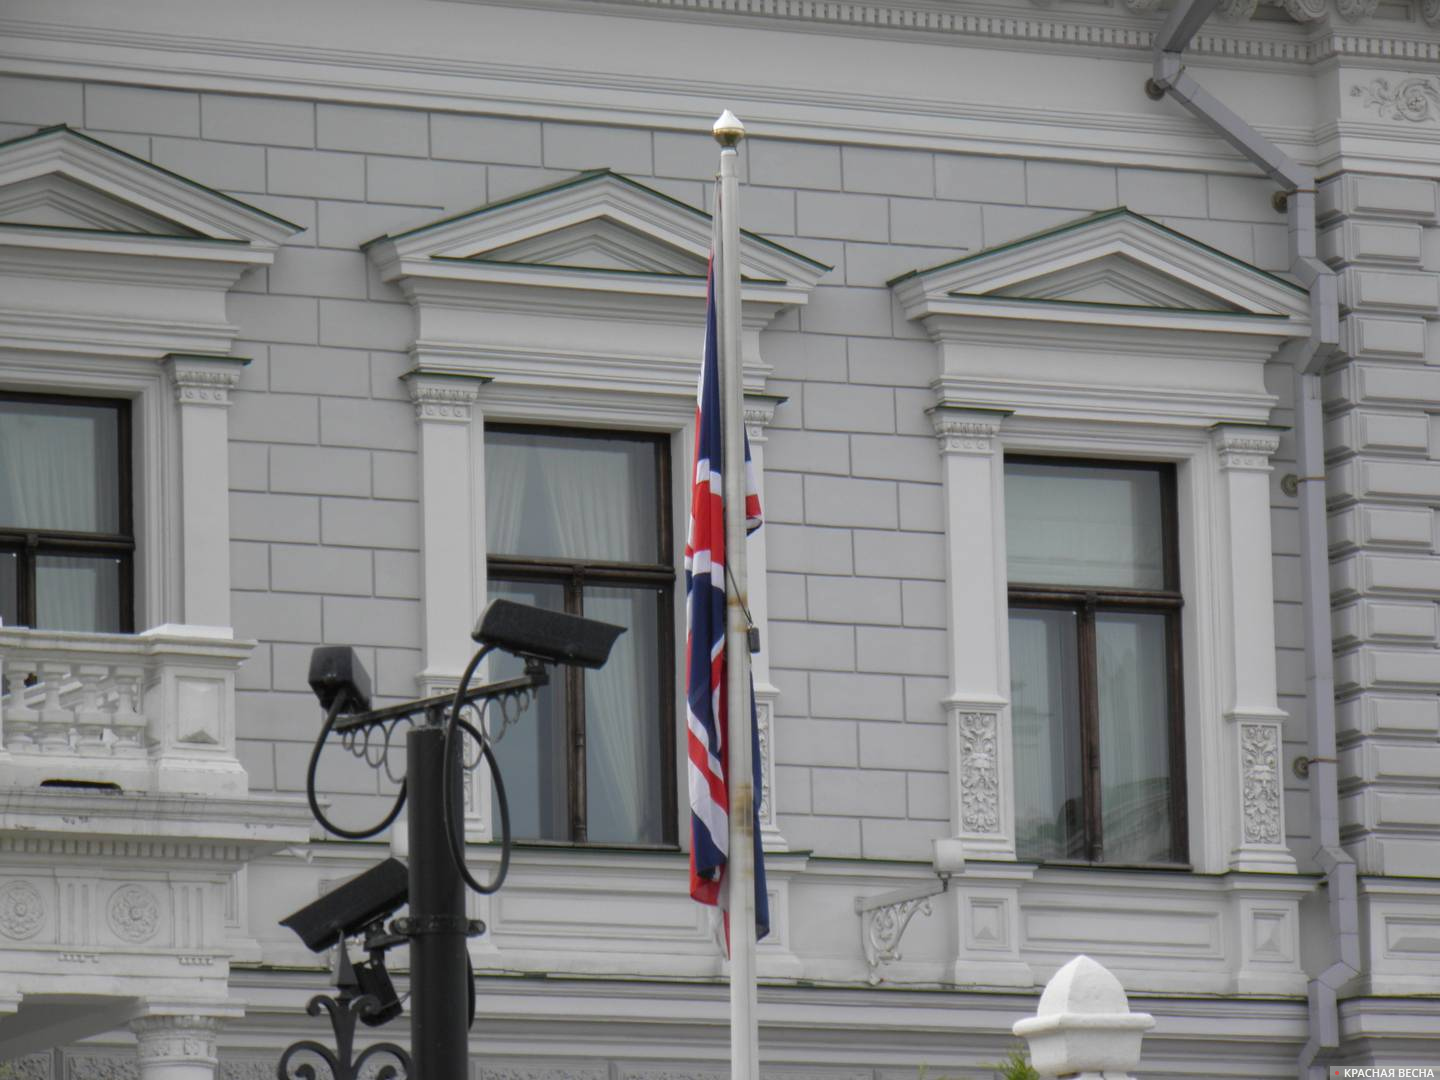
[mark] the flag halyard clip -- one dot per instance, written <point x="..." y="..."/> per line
<point x="752" y="632"/>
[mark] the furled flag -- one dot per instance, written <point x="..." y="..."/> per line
<point x="705" y="706"/>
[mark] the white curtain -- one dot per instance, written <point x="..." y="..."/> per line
<point x="58" y="472"/>
<point x="1045" y="730"/>
<point x="622" y="774"/>
<point x="569" y="497"/>
<point x="573" y="497"/>
<point x="1134" y="737"/>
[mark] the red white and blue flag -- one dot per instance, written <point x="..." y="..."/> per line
<point x="705" y="708"/>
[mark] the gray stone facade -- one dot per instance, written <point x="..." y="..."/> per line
<point x="327" y="520"/>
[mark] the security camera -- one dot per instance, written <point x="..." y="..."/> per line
<point x="352" y="907"/>
<point x="549" y="636"/>
<point x="336" y="672"/>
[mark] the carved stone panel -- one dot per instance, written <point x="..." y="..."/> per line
<point x="979" y="773"/>
<point x="1260" y="780"/>
<point x="22" y="910"/>
<point x="1415" y="99"/>
<point x="133" y="913"/>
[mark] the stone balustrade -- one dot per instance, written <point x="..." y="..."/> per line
<point x="150" y="712"/>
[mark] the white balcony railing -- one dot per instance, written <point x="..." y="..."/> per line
<point x="151" y="712"/>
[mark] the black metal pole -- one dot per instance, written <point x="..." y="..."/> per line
<point x="439" y="991"/>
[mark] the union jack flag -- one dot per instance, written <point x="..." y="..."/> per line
<point x="705" y="647"/>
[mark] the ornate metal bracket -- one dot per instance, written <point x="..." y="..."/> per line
<point x="382" y="1061"/>
<point x="885" y="918"/>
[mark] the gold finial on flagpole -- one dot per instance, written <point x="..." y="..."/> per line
<point x="728" y="130"/>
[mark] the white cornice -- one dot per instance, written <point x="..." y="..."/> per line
<point x="1016" y="330"/>
<point x="1194" y="287"/>
<point x="186" y="247"/>
<point x="390" y="58"/>
<point x="61" y="154"/>
<point x="605" y="330"/>
<point x="470" y="247"/>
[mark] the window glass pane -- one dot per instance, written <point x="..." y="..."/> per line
<point x="571" y="497"/>
<point x="59" y="467"/>
<point x="1045" y="719"/>
<point x="9" y="588"/>
<point x="1134" y="693"/>
<point x="77" y="592"/>
<point x="1083" y="525"/>
<point x="532" y="755"/>
<point x="622" y="723"/>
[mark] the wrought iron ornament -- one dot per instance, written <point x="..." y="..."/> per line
<point x="310" y="1060"/>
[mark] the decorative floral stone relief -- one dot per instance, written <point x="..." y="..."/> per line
<point x="34" y="1066"/>
<point x="1355" y="10"/>
<point x="1260" y="771"/>
<point x="762" y="733"/>
<point x="1416" y="98"/>
<point x="884" y="927"/>
<point x="97" y="1067"/>
<point x="247" y="1070"/>
<point x="1305" y="10"/>
<point x="1237" y="10"/>
<point x="134" y="913"/>
<point x="22" y="910"/>
<point x="175" y="1038"/>
<point x="979" y="774"/>
<point x="543" y="1072"/>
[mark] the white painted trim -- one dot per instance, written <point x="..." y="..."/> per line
<point x="221" y="53"/>
<point x="192" y="207"/>
<point x="530" y="333"/>
<point x="155" y="456"/>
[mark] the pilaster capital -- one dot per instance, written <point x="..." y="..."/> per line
<point x="204" y="380"/>
<point x="181" y="1037"/>
<point x="442" y="396"/>
<point x="1245" y="447"/>
<point x="759" y="411"/>
<point x="966" y="431"/>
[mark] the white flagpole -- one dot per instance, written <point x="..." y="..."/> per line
<point x="740" y="869"/>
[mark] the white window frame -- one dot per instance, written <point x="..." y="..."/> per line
<point x="98" y="308"/>
<point x="510" y="302"/>
<point x="1169" y="367"/>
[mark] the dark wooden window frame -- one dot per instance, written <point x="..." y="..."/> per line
<point x="30" y="544"/>
<point x="1085" y="602"/>
<point x="573" y="576"/>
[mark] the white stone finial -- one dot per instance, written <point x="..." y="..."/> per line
<point x="1084" y="1024"/>
<point x="728" y="130"/>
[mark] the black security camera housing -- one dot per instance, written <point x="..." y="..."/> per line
<point x="336" y="672"/>
<point x="549" y="636"/>
<point x="352" y="907"/>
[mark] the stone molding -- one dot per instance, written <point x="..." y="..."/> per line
<point x="1244" y="448"/>
<point x="175" y="1039"/>
<point x="204" y="380"/>
<point x="759" y="412"/>
<point x="444" y="398"/>
<point x="964" y="431"/>
<point x="1050" y="21"/>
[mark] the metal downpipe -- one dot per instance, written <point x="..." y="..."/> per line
<point x="1308" y="359"/>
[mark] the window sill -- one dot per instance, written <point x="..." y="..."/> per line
<point x="1129" y="868"/>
